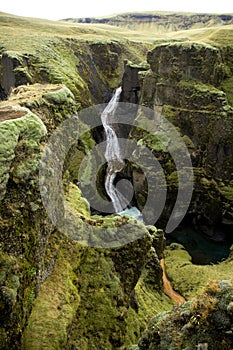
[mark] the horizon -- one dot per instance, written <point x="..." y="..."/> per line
<point x="104" y="8"/>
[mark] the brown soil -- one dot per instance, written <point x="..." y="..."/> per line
<point x="168" y="290"/>
<point x="9" y="113"/>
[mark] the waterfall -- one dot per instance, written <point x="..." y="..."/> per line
<point x="113" y="154"/>
<point x="115" y="161"/>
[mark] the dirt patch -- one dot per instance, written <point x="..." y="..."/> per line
<point x="168" y="290"/>
<point x="10" y="113"/>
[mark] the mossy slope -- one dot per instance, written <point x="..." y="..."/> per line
<point x="205" y="323"/>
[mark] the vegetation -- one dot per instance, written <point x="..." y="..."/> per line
<point x="189" y="279"/>
<point x="56" y="292"/>
<point x="205" y="322"/>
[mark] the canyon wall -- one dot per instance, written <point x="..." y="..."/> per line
<point x="189" y="85"/>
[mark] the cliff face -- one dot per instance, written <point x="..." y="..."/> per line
<point x="88" y="61"/>
<point x="91" y="71"/>
<point x="25" y="229"/>
<point x="187" y="83"/>
<point x="49" y="281"/>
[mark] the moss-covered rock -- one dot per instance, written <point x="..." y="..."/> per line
<point x="27" y="127"/>
<point x="182" y="87"/>
<point x="28" y="254"/>
<point x="89" y="63"/>
<point x="55" y="305"/>
<point x="175" y="62"/>
<point x="48" y="281"/>
<point x="204" y="321"/>
<point x="54" y="291"/>
<point x="14" y="70"/>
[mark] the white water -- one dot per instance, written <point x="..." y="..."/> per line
<point x="134" y="212"/>
<point x="113" y="154"/>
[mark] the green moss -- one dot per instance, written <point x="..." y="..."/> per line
<point x="172" y="179"/>
<point x="169" y="112"/>
<point x="79" y="204"/>
<point x="8" y="280"/>
<point x="89" y="61"/>
<point x="60" y="96"/>
<point x="227" y="192"/>
<point x="54" y="307"/>
<point x="188" y="278"/>
<point x="100" y="317"/>
<point x="31" y="129"/>
<point x="204" y="321"/>
<point x="149" y="304"/>
<point x="227" y="86"/>
<point x="158" y="141"/>
<point x="188" y="142"/>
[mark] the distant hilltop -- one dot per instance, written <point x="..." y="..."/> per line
<point x="159" y="21"/>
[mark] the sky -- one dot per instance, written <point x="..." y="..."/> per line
<point x="56" y="9"/>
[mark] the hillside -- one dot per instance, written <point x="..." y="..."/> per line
<point x="160" y="22"/>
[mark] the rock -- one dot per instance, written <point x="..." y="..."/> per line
<point x="59" y="96"/>
<point x="26" y="256"/>
<point x="182" y="87"/>
<point x="50" y="281"/>
<point x="31" y="129"/>
<point x="174" y="62"/>
<point x="15" y="71"/>
<point x="130" y="81"/>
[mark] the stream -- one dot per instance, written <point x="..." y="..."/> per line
<point x="202" y="249"/>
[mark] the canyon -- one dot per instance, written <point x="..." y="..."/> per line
<point x="100" y="285"/>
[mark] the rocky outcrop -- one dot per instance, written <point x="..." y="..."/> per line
<point x="176" y="62"/>
<point x="25" y="230"/>
<point x="14" y="71"/>
<point x="186" y="85"/>
<point x="68" y="289"/>
<point x="131" y="83"/>
<point x="203" y="323"/>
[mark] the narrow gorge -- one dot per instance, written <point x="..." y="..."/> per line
<point x="94" y="279"/>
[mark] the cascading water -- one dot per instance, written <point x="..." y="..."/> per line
<point x="113" y="155"/>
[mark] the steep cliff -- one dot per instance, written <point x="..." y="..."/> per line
<point x="188" y="83"/>
<point x="89" y="61"/>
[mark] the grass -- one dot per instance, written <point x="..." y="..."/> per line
<point x="227" y="87"/>
<point x="70" y="53"/>
<point x="150" y="303"/>
<point x="189" y="279"/>
<point x="214" y="35"/>
<point x="85" y="58"/>
<point x="28" y="33"/>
